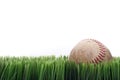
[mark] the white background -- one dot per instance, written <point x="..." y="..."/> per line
<point x="54" y="27"/>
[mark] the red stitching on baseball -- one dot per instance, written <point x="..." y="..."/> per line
<point x="102" y="52"/>
<point x="95" y="61"/>
<point x="98" y="59"/>
<point x="101" y="55"/>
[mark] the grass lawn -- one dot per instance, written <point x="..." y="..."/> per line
<point x="52" y="68"/>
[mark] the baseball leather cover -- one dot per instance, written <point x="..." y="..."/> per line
<point x="90" y="51"/>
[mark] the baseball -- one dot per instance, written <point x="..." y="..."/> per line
<point x="90" y="51"/>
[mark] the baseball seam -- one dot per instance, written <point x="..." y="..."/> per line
<point x="101" y="54"/>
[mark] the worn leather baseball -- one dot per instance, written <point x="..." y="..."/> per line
<point x="90" y="51"/>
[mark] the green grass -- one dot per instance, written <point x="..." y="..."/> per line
<point x="52" y="68"/>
